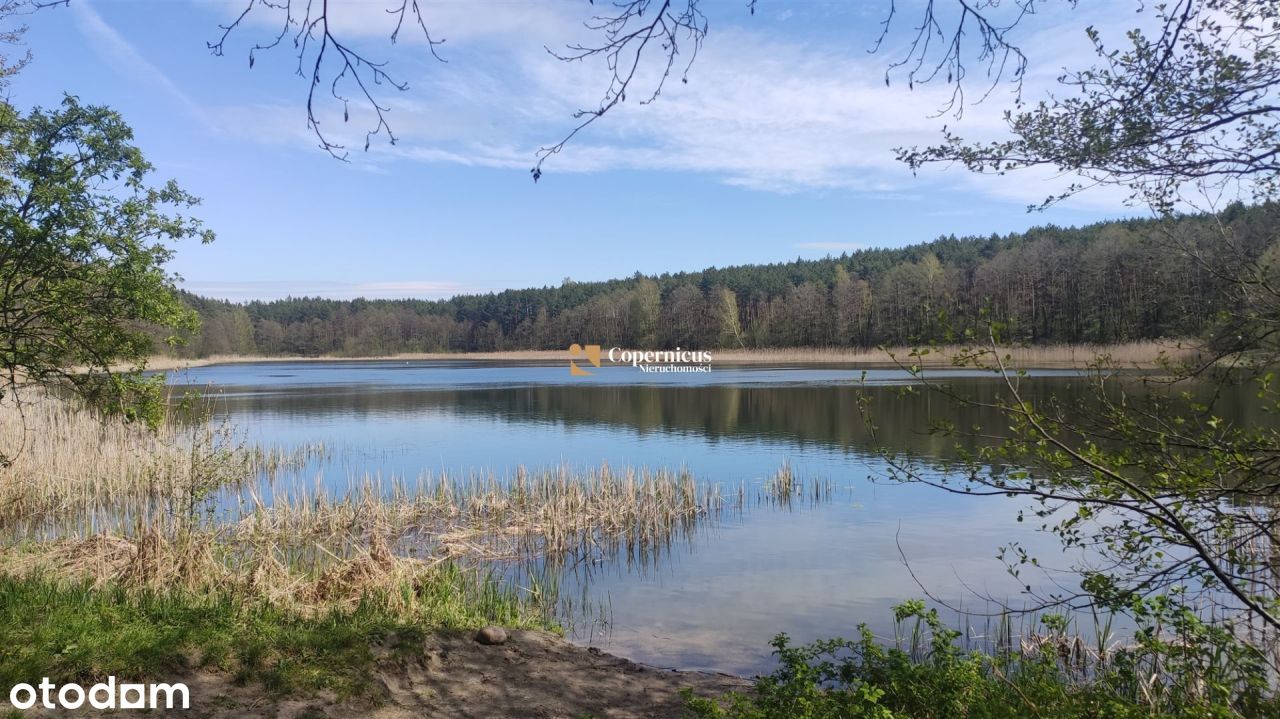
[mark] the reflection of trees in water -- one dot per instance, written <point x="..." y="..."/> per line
<point x="825" y="415"/>
<point x="567" y="582"/>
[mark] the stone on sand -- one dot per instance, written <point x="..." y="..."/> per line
<point x="492" y="635"/>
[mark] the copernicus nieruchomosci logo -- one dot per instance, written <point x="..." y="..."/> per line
<point x="591" y="352"/>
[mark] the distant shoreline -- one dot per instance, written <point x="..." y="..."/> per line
<point x="1137" y="355"/>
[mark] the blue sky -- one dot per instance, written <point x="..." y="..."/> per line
<point x="779" y="147"/>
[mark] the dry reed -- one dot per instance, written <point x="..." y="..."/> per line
<point x="1143" y="354"/>
<point x="65" y="461"/>
<point x="95" y="499"/>
<point x="313" y="551"/>
<point x="550" y="513"/>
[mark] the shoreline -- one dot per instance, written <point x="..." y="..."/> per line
<point x="1135" y="355"/>
<point x="448" y="673"/>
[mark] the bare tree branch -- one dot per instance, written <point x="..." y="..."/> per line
<point x="323" y="55"/>
<point x="626" y="35"/>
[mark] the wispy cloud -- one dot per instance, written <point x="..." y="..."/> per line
<point x="276" y="289"/>
<point x="454" y="21"/>
<point x="765" y="111"/>
<point x="114" y="48"/>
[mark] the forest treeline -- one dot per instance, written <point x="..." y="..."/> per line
<point x="1104" y="283"/>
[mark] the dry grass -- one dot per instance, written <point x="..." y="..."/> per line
<point x="94" y="499"/>
<point x="546" y="514"/>
<point x="312" y="552"/>
<point x="205" y="562"/>
<point x="1147" y="354"/>
<point x="1144" y="354"/>
<point x="67" y="461"/>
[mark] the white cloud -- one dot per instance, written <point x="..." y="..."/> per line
<point x="458" y="23"/>
<point x="768" y="112"/>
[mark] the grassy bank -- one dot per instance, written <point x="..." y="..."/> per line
<point x="81" y="632"/>
<point x="1146" y="355"/>
<point x="190" y="551"/>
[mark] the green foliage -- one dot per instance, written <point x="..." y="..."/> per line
<point x="1107" y="283"/>
<point x="78" y="633"/>
<point x="82" y="262"/>
<point x="932" y="678"/>
<point x="1184" y="106"/>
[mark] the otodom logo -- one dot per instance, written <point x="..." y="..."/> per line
<point x="104" y="695"/>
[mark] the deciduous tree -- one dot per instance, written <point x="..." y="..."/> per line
<point x="82" y="265"/>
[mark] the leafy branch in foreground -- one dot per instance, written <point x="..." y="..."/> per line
<point x="1195" y="102"/>
<point x="82" y="277"/>
<point x="1170" y="505"/>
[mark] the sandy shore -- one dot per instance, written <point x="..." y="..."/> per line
<point x="533" y="675"/>
<point x="1134" y="354"/>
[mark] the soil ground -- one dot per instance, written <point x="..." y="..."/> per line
<point x="534" y="675"/>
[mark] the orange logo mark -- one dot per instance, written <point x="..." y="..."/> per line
<point x="592" y="353"/>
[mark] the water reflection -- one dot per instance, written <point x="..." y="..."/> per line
<point x="714" y="599"/>
<point x="817" y="408"/>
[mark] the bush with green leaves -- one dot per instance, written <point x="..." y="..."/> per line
<point x="929" y="675"/>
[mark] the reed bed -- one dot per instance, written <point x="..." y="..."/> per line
<point x="194" y="507"/>
<point x="532" y="514"/>
<point x="316" y="551"/>
<point x="1146" y="353"/>
<point x="65" y="460"/>
<point x="255" y="572"/>
<point x="784" y="489"/>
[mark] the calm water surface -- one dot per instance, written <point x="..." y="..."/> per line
<point x="715" y="600"/>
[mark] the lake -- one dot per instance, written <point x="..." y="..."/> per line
<point x="714" y="600"/>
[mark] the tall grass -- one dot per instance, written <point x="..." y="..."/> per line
<point x="67" y="463"/>
<point x="1143" y="353"/>
<point x="548" y="513"/>
<point x="94" y="500"/>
